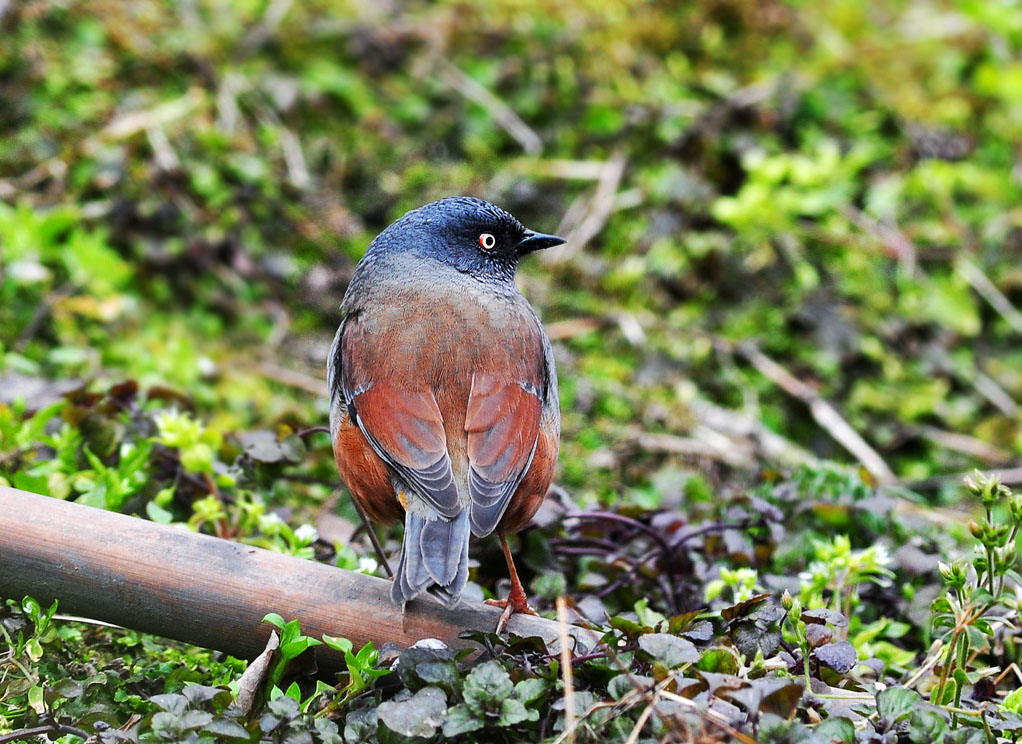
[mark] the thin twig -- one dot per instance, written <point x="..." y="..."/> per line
<point x="733" y="424"/>
<point x="1008" y="476"/>
<point x="633" y="737"/>
<point x="717" y="719"/>
<point x="965" y="444"/>
<point x="888" y="236"/>
<point x="936" y="648"/>
<point x="380" y="554"/>
<point x="163" y="152"/>
<point x="728" y="450"/>
<point x="621" y="519"/>
<point x="566" y="670"/>
<point x="822" y="412"/>
<point x="51" y="728"/>
<point x="599" y="210"/>
<point x="39" y="315"/>
<point x="158" y="116"/>
<point x="297" y="170"/>
<point x="502" y="114"/>
<point x="968" y="373"/>
<point x="986" y="289"/>
<point x="292" y="378"/>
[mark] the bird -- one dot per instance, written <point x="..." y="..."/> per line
<point x="444" y="410"/>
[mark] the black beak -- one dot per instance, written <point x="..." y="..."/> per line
<point x="534" y="241"/>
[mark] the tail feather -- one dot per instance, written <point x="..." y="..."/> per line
<point x="434" y="557"/>
<point x="450" y="595"/>
<point x="440" y="544"/>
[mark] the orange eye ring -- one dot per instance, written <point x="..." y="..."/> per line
<point x="487" y="241"/>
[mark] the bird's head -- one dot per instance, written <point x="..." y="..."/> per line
<point x="468" y="234"/>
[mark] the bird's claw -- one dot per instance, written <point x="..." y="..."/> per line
<point x="511" y="605"/>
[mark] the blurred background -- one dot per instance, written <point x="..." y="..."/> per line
<point x="795" y="228"/>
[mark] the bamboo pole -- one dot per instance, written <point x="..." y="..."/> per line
<point x="210" y="592"/>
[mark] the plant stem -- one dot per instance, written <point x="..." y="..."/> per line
<point x="948" y="660"/>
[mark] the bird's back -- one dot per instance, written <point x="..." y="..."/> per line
<point x="444" y="392"/>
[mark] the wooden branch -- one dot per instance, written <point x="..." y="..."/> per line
<point x="210" y="592"/>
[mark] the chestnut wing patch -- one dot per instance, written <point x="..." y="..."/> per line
<point x="406" y="430"/>
<point x="502" y="422"/>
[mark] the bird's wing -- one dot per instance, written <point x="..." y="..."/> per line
<point x="502" y="423"/>
<point x="404" y="427"/>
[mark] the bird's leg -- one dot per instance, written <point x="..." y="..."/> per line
<point x="371" y="533"/>
<point x="516" y="600"/>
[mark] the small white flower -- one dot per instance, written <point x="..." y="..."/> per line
<point x="367" y="565"/>
<point x="306" y="534"/>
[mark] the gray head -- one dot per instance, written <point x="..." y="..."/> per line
<point x="468" y="234"/>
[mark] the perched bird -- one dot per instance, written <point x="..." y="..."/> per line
<point x="444" y="407"/>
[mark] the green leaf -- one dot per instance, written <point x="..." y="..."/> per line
<point x="512" y="711"/>
<point x="671" y="650"/>
<point x="950" y="689"/>
<point x="1013" y="701"/>
<point x="895" y="702"/>
<point x="367" y="655"/>
<point x="275" y="620"/>
<point x="461" y="720"/>
<point x="836" y="731"/>
<point x="530" y="690"/>
<point x="420" y="715"/>
<point x="486" y="688"/>
<point x="926" y="726"/>
<point x="67" y="688"/>
<point x="719" y="661"/>
<point x="337" y="643"/>
<point x="157" y="513"/>
<point x="222" y="728"/>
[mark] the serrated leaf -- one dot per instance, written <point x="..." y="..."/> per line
<point x="486" y="687"/>
<point x="193" y="719"/>
<point x="198" y="694"/>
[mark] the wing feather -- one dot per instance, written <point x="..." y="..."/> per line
<point x="502" y="422"/>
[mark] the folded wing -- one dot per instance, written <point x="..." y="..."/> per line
<point x="406" y="430"/>
<point x="502" y="423"/>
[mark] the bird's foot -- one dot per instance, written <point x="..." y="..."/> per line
<point x="516" y="602"/>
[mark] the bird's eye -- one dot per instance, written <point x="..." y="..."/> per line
<point x="487" y="241"/>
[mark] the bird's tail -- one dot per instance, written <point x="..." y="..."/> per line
<point x="434" y="558"/>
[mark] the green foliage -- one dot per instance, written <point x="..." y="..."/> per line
<point x="184" y="190"/>
<point x="967" y="616"/>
